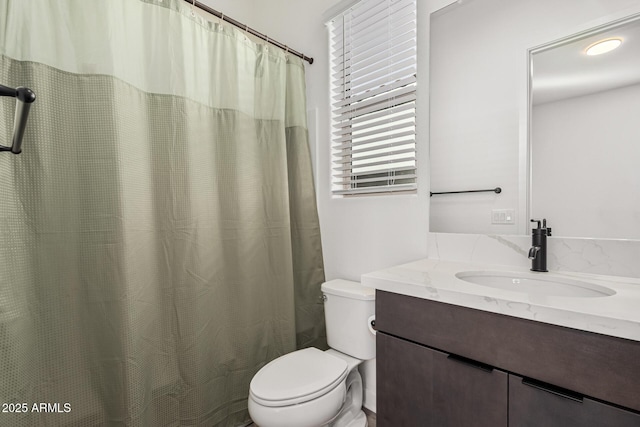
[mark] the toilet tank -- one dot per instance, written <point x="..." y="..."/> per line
<point x="348" y="310"/>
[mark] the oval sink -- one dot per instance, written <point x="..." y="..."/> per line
<point x="536" y="284"/>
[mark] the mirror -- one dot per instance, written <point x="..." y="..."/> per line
<point x="481" y="56"/>
<point x="585" y="132"/>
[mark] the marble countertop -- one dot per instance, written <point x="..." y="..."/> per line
<point x="615" y="315"/>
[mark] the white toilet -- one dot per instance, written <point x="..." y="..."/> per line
<point x="313" y="388"/>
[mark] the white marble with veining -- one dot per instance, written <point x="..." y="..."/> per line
<point x="610" y="257"/>
<point x="616" y="315"/>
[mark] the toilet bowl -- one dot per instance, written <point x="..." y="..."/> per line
<point x="313" y="388"/>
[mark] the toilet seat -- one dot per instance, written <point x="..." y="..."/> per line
<point x="297" y="377"/>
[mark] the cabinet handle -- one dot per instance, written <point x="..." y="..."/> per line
<point x="550" y="388"/>
<point x="470" y="362"/>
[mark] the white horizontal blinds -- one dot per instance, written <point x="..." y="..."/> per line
<point x="373" y="93"/>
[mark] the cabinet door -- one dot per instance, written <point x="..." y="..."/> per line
<point x="535" y="404"/>
<point x="419" y="386"/>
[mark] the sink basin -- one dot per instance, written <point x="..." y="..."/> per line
<point x="536" y="284"/>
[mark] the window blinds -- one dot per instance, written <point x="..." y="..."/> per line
<point x="373" y="93"/>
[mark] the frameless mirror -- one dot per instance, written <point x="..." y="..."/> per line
<point x="506" y="112"/>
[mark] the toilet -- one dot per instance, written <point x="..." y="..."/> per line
<point x="311" y="387"/>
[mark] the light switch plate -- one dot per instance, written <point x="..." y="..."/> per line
<point x="503" y="216"/>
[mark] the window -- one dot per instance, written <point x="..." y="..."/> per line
<point x="373" y="93"/>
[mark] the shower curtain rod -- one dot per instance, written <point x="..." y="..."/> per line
<point x="248" y="29"/>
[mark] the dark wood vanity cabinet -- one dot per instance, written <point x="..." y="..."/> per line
<point x="443" y="365"/>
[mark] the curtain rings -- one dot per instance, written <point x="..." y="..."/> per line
<point x="193" y="10"/>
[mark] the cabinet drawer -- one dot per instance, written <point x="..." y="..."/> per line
<point x="532" y="404"/>
<point x="600" y="366"/>
<point x="419" y="386"/>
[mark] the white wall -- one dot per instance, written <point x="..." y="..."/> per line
<point x="586" y="150"/>
<point x="479" y="125"/>
<point x="474" y="129"/>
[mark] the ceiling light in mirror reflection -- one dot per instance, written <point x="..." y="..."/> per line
<point x="566" y="71"/>
<point x="603" y="46"/>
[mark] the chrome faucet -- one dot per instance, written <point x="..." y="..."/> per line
<point x="538" y="251"/>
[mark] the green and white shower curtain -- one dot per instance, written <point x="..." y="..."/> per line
<point x="159" y="238"/>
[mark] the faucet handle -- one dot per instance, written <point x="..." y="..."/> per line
<point x="542" y="225"/>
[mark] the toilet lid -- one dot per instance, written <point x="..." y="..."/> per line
<point x="297" y="377"/>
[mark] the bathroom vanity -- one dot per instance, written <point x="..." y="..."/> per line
<point x="454" y="353"/>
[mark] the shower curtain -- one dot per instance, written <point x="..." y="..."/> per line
<point x="159" y="236"/>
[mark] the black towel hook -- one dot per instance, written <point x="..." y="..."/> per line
<point x="24" y="98"/>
